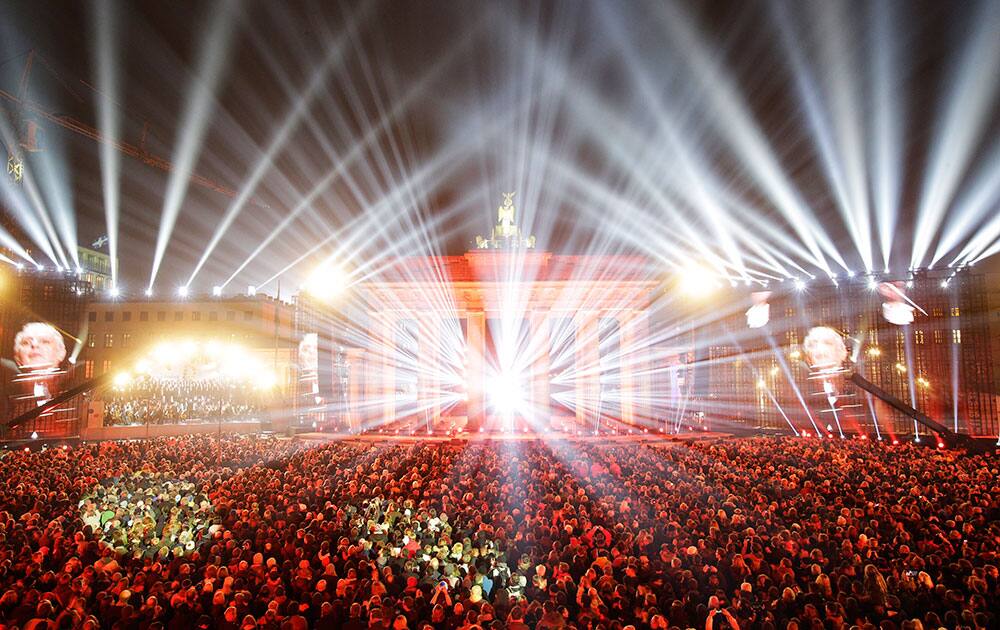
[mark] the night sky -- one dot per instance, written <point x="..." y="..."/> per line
<point x="460" y="65"/>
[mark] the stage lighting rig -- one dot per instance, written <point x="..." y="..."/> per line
<point x="697" y="281"/>
<point x="327" y="282"/>
<point x="506" y="396"/>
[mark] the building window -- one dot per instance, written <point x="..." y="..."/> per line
<point x="92" y="316"/>
<point x="91" y="340"/>
<point x="161" y="316"/>
<point x="936" y="312"/>
<point x="109" y="340"/>
<point x="105" y="366"/>
<point x="955" y="311"/>
<point x="213" y="316"/>
<point x="918" y="337"/>
<point x="127" y="316"/>
<point x="109" y="316"/>
<point x="956" y="335"/>
<point x="938" y="336"/>
<point x="247" y="315"/>
<point x="126" y="338"/>
<point x="196" y="316"/>
<point x="179" y="316"/>
<point x="230" y="316"/>
<point x="88" y="369"/>
<point x="143" y="316"/>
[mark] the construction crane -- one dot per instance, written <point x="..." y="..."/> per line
<point x="28" y="141"/>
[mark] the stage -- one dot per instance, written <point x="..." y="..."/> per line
<point x="493" y="437"/>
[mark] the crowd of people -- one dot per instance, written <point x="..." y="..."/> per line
<point x="147" y="511"/>
<point x="149" y="400"/>
<point x="750" y="533"/>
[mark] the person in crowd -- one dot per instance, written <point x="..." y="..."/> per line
<point x="770" y="533"/>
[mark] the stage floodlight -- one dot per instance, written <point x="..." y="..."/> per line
<point x="505" y="394"/>
<point x="327" y="282"/>
<point x="800" y="284"/>
<point x="266" y="380"/>
<point x="149" y="292"/>
<point x="182" y="291"/>
<point x="217" y="291"/>
<point x="114" y="292"/>
<point x="251" y="290"/>
<point x="121" y="380"/>
<point x="696" y="281"/>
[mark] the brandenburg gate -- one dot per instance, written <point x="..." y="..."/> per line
<point x="502" y="338"/>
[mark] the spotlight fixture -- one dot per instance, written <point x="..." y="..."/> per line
<point x="149" y="292"/>
<point x="326" y="282"/>
<point x="114" y="292"/>
<point x="800" y="284"/>
<point x="182" y="291"/>
<point x="251" y="290"/>
<point x="944" y="284"/>
<point x="20" y="266"/>
<point x="217" y="291"/>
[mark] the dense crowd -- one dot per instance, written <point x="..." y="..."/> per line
<point x="753" y="533"/>
<point x="148" y="400"/>
<point x="147" y="511"/>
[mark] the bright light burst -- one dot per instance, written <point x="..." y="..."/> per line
<point x="641" y="131"/>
